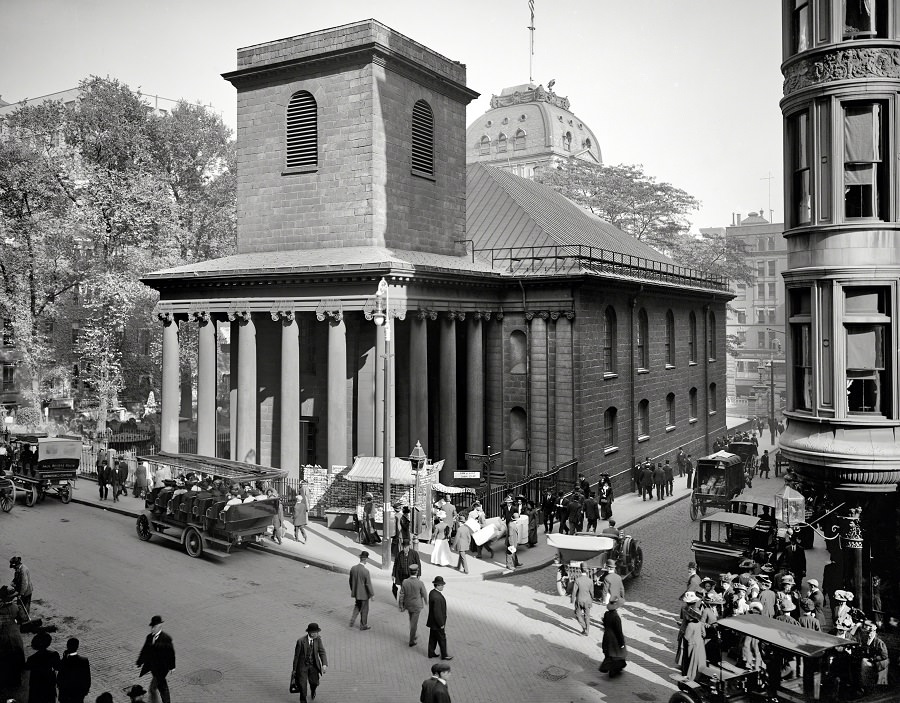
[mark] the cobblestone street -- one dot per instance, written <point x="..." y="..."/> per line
<point x="234" y="622"/>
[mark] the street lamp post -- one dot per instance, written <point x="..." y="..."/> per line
<point x="382" y="317"/>
<point x="772" y="387"/>
<point x="417" y="461"/>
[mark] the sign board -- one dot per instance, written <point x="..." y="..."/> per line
<point x="474" y="457"/>
<point x="467" y="474"/>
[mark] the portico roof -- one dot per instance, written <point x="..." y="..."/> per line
<point x="330" y="259"/>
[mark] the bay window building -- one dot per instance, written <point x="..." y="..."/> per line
<point x="841" y="111"/>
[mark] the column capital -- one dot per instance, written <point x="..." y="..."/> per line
<point x="330" y="307"/>
<point x="395" y="310"/>
<point x="241" y="315"/>
<point x="529" y="315"/>
<point x="498" y="315"/>
<point x="167" y="317"/>
<point x="456" y="315"/>
<point x="282" y="310"/>
<point x="426" y="314"/>
<point x="201" y="317"/>
<point x="544" y="315"/>
<point x="570" y="314"/>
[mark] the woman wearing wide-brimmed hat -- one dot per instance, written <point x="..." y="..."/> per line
<point x="12" y="649"/>
<point x="42" y="667"/>
<point x="688" y="599"/>
<point x="694" y="655"/>
<point x="613" y="644"/>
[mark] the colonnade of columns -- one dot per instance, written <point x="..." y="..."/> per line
<point x="244" y="397"/>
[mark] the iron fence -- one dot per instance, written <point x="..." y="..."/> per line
<point x="569" y="259"/>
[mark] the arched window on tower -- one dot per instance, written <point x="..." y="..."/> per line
<point x="501" y="143"/>
<point x="423" y="138"/>
<point x="519" y="143"/>
<point x="567" y="141"/>
<point x="610" y="429"/>
<point x="485" y="147"/>
<point x="301" y="132"/>
<point x="644" y="419"/>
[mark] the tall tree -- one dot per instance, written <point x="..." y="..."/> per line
<point x="650" y="211"/>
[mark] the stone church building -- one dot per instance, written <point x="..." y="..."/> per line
<point x="517" y="319"/>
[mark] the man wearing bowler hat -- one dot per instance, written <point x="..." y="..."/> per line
<point x="613" y="586"/>
<point x="434" y="690"/>
<point x="310" y="662"/>
<point x="437" y="619"/>
<point x="361" y="591"/>
<point x="412" y="600"/>
<point x="158" y="657"/>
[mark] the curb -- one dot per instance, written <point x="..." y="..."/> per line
<point x="504" y="573"/>
<point x="493" y="574"/>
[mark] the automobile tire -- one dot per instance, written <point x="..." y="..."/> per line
<point x="193" y="542"/>
<point x="65" y="494"/>
<point x="637" y="562"/>
<point x="682" y="697"/>
<point x="142" y="527"/>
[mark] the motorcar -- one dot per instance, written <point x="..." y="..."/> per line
<point x="726" y="539"/>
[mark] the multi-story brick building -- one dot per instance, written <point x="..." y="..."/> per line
<point x="756" y="317"/>
<point x="519" y="320"/>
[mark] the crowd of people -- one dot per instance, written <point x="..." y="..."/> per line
<point x="66" y="677"/>
<point x="780" y="592"/>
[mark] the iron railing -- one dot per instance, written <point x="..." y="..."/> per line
<point x="573" y="258"/>
<point x="561" y="477"/>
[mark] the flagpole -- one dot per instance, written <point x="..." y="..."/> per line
<point x="531" y="43"/>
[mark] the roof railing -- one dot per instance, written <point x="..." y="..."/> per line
<point x="548" y="260"/>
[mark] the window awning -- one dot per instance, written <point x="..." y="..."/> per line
<point x="370" y="469"/>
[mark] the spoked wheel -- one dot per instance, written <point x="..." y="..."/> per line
<point x="142" y="527"/>
<point x="695" y="511"/>
<point x="7" y="500"/>
<point x="636" y="561"/>
<point x="65" y="494"/>
<point x="31" y="496"/>
<point x="193" y="542"/>
<point x="562" y="582"/>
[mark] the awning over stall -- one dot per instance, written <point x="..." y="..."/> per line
<point x="370" y="469"/>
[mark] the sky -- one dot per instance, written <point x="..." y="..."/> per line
<point x="689" y="89"/>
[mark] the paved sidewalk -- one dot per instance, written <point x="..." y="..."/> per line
<point x="338" y="550"/>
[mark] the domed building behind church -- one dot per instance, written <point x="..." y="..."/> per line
<point x="529" y="127"/>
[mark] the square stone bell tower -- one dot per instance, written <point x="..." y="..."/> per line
<point x="351" y="136"/>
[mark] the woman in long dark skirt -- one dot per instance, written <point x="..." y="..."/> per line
<point x="532" y="524"/>
<point x="42" y="667"/>
<point x="613" y="644"/>
<point x="605" y="496"/>
<point x="12" y="650"/>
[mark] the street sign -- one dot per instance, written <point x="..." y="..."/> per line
<point x="476" y="457"/>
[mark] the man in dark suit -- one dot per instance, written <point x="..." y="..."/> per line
<point x="103" y="478"/>
<point x="437" y="619"/>
<point x="361" y="591"/>
<point x="434" y="690"/>
<point x="406" y="557"/>
<point x="121" y="477"/>
<point x="591" y="512"/>
<point x="158" y="657"/>
<point x="74" y="676"/>
<point x="310" y="662"/>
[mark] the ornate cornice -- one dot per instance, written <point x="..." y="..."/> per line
<point x="539" y="94"/>
<point x="549" y="314"/>
<point x="843" y="64"/>
<point x="330" y="307"/>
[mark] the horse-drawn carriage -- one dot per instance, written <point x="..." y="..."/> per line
<point x="192" y="509"/>
<point x="592" y="551"/>
<point x="719" y="479"/>
<point x="41" y="465"/>
<point x="749" y="454"/>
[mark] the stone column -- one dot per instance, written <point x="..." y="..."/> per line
<point x="247" y="388"/>
<point x="171" y="394"/>
<point x="475" y="387"/>
<point x="379" y="391"/>
<point x="418" y="378"/>
<point x="447" y="386"/>
<point x="206" y="384"/>
<point x="852" y="539"/>
<point x="233" y="343"/>
<point x="290" y="392"/>
<point x="336" y="386"/>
